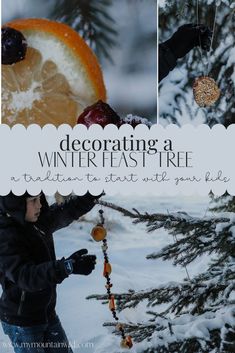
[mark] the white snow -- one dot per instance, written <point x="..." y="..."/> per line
<point x="162" y="3"/>
<point x="128" y="246"/>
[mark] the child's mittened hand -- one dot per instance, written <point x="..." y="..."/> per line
<point x="187" y="37"/>
<point x="88" y="201"/>
<point x="82" y="263"/>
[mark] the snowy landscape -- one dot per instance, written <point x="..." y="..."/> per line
<point x="131" y="86"/>
<point x="128" y="246"/>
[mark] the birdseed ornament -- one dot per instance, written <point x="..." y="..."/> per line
<point x="205" y="90"/>
<point x="99" y="233"/>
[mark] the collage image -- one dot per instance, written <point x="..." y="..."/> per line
<point x="114" y="273"/>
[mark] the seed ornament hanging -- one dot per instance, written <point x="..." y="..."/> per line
<point x="99" y="233"/>
<point x="205" y="89"/>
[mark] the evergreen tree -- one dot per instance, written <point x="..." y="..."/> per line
<point x="176" y="97"/>
<point x="198" y="314"/>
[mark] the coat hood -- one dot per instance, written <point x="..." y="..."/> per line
<point x="15" y="206"/>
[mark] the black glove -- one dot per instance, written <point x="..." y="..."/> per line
<point x="187" y="37"/>
<point x="79" y="263"/>
<point x="87" y="201"/>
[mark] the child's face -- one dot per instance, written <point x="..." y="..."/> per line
<point x="33" y="207"/>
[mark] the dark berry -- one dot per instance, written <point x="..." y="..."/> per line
<point x="14" y="46"/>
<point x="99" y="113"/>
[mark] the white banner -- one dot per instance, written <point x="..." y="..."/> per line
<point x="143" y="160"/>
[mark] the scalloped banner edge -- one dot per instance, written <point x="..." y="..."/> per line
<point x="142" y="129"/>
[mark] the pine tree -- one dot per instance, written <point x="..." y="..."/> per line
<point x="91" y="19"/>
<point x="199" y="313"/>
<point x="176" y="98"/>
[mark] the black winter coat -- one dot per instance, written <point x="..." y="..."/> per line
<point x="29" y="270"/>
<point x="167" y="61"/>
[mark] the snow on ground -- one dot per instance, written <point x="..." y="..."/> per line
<point x="128" y="246"/>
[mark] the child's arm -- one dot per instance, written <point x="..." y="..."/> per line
<point x="60" y="216"/>
<point x="19" y="268"/>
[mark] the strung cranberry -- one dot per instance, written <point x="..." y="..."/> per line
<point x="109" y="285"/>
<point x="14" y="46"/>
<point x="126" y="340"/>
<point x="99" y="113"/>
<point x="102" y="114"/>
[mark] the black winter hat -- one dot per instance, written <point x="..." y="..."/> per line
<point x="15" y="206"/>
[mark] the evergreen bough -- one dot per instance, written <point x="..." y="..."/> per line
<point x="198" y="314"/>
<point x="91" y="19"/>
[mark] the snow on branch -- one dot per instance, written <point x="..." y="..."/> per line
<point x="196" y="315"/>
<point x="197" y="236"/>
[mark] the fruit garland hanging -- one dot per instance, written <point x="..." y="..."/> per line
<point x="205" y="89"/>
<point x="99" y="233"/>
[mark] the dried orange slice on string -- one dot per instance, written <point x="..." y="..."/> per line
<point x="57" y="79"/>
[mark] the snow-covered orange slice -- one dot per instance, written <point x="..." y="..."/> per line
<point x="58" y="78"/>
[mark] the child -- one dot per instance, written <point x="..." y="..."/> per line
<point x="29" y="271"/>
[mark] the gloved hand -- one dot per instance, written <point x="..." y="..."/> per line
<point x="80" y="263"/>
<point x="96" y="197"/>
<point x="87" y="201"/>
<point x="187" y="37"/>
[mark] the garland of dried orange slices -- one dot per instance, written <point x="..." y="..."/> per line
<point x="99" y="234"/>
<point x="205" y="90"/>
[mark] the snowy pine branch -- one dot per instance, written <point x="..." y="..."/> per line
<point x="196" y="315"/>
<point x="214" y="286"/>
<point x="197" y="236"/>
<point x="223" y="203"/>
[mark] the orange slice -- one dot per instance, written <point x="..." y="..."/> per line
<point x="58" y="78"/>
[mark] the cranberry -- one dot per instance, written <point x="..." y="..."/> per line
<point x="99" y="113"/>
<point x="14" y="46"/>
